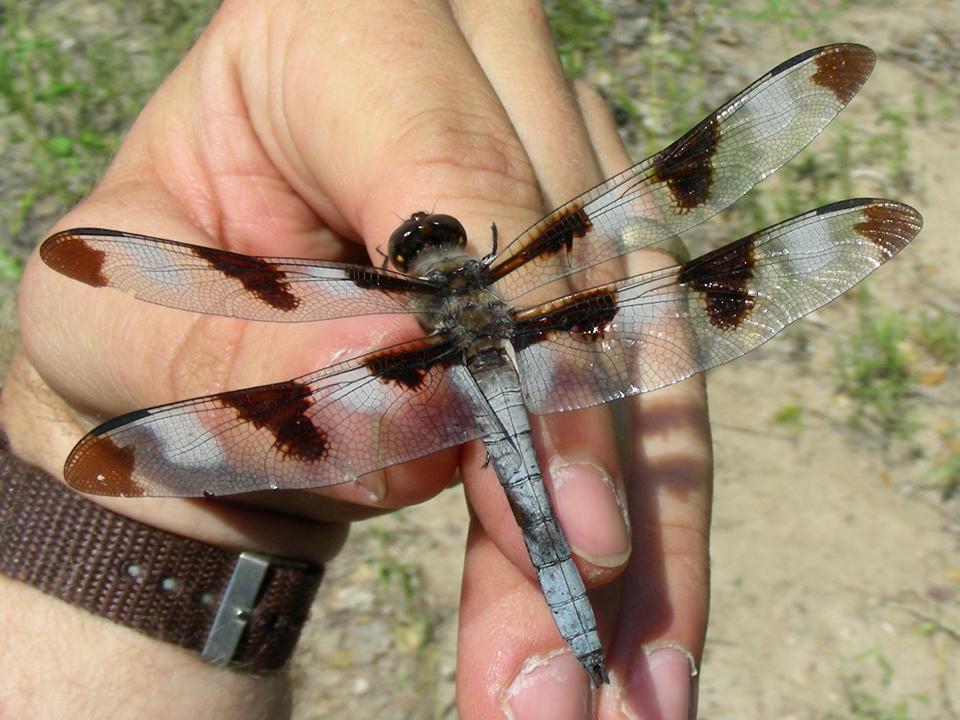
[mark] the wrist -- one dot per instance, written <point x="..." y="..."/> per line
<point x="60" y="661"/>
<point x="109" y="574"/>
<point x="42" y="428"/>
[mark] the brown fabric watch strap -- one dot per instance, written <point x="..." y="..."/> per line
<point x="241" y="609"/>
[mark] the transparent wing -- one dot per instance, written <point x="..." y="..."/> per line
<point x="703" y="172"/>
<point x="655" y="329"/>
<point x="218" y="282"/>
<point x="329" y="427"/>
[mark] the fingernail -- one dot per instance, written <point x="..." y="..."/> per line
<point x="590" y="513"/>
<point x="664" y="685"/>
<point x="554" y="688"/>
<point x="375" y="485"/>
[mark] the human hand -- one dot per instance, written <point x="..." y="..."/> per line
<point x="263" y="142"/>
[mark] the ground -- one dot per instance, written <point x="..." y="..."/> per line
<point x="835" y="548"/>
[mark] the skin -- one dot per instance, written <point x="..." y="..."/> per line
<point x="306" y="129"/>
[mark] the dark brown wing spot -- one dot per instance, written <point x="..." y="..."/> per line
<point x="723" y="276"/>
<point x="101" y="467"/>
<point x="256" y="275"/>
<point x="70" y="255"/>
<point x="370" y="279"/>
<point x="409" y="367"/>
<point x="555" y="232"/>
<point x="282" y="410"/>
<point x="586" y="316"/>
<point x="888" y="226"/>
<point x="686" y="166"/>
<point x="844" y="70"/>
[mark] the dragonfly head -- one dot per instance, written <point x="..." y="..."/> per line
<point x="421" y="232"/>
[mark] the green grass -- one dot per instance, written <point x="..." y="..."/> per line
<point x="946" y="471"/>
<point x="938" y="333"/>
<point x="69" y="88"/>
<point x="879" y="365"/>
<point x="401" y="588"/>
<point x="789" y="17"/>
<point x="873" y="367"/>
<point x="790" y="417"/>
<point x="10" y="265"/>
<point x="401" y="584"/>
<point x="866" y="693"/>
<point x="892" y="146"/>
<point x="578" y="27"/>
<point x="671" y="72"/>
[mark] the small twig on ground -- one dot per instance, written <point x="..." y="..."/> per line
<point x="950" y="630"/>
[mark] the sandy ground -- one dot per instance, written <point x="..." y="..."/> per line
<point x="831" y="565"/>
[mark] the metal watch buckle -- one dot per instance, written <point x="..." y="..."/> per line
<point x="238" y="602"/>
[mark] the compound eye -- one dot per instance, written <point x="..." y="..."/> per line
<point x="447" y="229"/>
<point x="406" y="241"/>
<point x="423" y="230"/>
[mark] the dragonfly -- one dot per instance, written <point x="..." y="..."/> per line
<point x="548" y="323"/>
